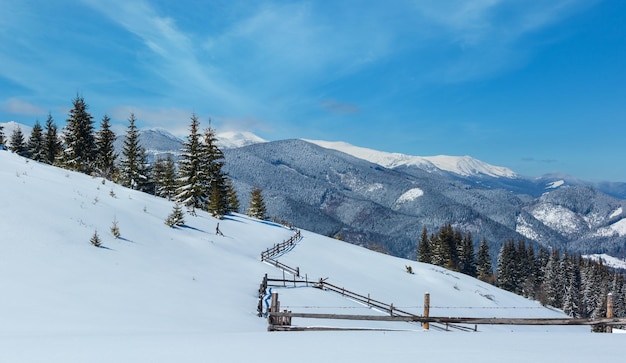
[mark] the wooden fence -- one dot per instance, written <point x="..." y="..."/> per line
<point x="281" y="320"/>
<point x="279" y="248"/>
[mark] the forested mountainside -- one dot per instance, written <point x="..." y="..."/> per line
<point x="336" y="194"/>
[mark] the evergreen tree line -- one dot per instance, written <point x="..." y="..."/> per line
<point x="196" y="181"/>
<point x="455" y="251"/>
<point x="576" y="285"/>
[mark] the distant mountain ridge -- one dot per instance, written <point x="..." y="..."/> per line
<point x="461" y="165"/>
<point x="335" y="193"/>
<point x="384" y="200"/>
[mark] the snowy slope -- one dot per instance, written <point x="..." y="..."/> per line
<point x="461" y="165"/>
<point x="233" y="139"/>
<point x="162" y="294"/>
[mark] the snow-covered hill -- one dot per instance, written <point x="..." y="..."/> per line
<point x="11" y="126"/>
<point x="232" y="139"/>
<point x="460" y="165"/>
<point x="161" y="294"/>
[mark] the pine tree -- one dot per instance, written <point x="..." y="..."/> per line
<point x="530" y="281"/>
<point x="423" y="248"/>
<point x="553" y="286"/>
<point x="571" y="296"/>
<point x="36" y="149"/>
<point x="52" y="145"/>
<point x="80" y="144"/>
<point x="439" y="252"/>
<point x="134" y="171"/>
<point x="257" y="205"/>
<point x="95" y="239"/>
<point x="213" y="159"/>
<point x="115" y="229"/>
<point x="192" y="188"/>
<point x="2" y="141"/>
<point x="18" y="145"/>
<point x="105" y="157"/>
<point x="484" y="270"/>
<point x="467" y="257"/>
<point x="233" y="200"/>
<point x="177" y="217"/>
<point x="506" y="273"/>
<point x="164" y="172"/>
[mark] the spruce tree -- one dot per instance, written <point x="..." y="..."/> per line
<point x="506" y="273"/>
<point x="164" y="175"/>
<point x="2" y="141"/>
<point x="18" y="145"/>
<point x="95" y="239"/>
<point x="484" y="269"/>
<point x="52" y="145"/>
<point x="192" y="188"/>
<point x="36" y="149"/>
<point x="257" y="205"/>
<point x="213" y="159"/>
<point x="233" y="200"/>
<point x="176" y="218"/>
<point x="105" y="157"/>
<point x="467" y="257"/>
<point x="423" y="248"/>
<point x="115" y="229"/>
<point x="80" y="143"/>
<point x="553" y="286"/>
<point x="134" y="171"/>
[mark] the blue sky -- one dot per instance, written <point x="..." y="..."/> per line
<point x="537" y="86"/>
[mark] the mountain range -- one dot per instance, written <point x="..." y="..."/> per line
<point x="384" y="200"/>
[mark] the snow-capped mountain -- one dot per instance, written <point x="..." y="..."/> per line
<point x="335" y="193"/>
<point x="233" y="139"/>
<point x="461" y="165"/>
<point x="11" y="126"/>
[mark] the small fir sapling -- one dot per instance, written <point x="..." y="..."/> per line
<point x="115" y="230"/>
<point x="176" y="218"/>
<point x="95" y="239"/>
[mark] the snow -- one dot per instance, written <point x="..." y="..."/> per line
<point x="234" y="139"/>
<point x="616" y="229"/>
<point x="616" y="212"/>
<point x="161" y="294"/>
<point x="555" y="184"/>
<point x="461" y="165"/>
<point x="10" y="126"/>
<point x="410" y="195"/>
<point x="558" y="218"/>
<point x="608" y="260"/>
<point x="526" y="229"/>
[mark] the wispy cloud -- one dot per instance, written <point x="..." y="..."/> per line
<point x="173" y="119"/>
<point x="173" y="54"/>
<point x="539" y="161"/>
<point x="21" y="107"/>
<point x="337" y="107"/>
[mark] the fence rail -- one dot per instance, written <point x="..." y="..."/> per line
<point x="453" y="320"/>
<point x="279" y="248"/>
<point x="281" y="321"/>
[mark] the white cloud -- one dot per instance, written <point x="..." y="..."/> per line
<point x="20" y="107"/>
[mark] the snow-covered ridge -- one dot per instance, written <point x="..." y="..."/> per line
<point x="461" y="165"/>
<point x="234" y="139"/>
<point x="607" y="260"/>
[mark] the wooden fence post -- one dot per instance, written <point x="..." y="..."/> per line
<point x="426" y="310"/>
<point x="609" y="311"/>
